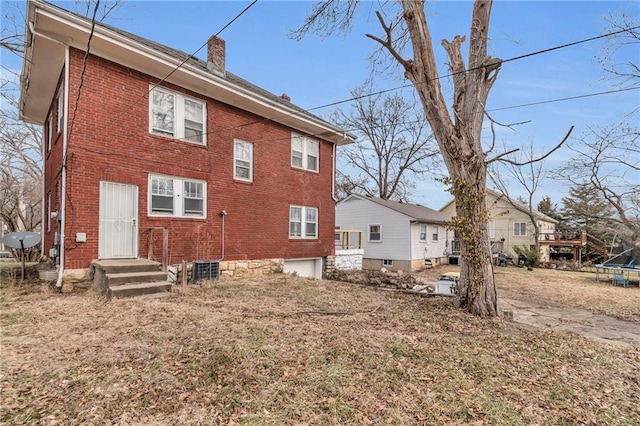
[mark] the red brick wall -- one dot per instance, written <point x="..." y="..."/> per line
<point x="110" y="141"/>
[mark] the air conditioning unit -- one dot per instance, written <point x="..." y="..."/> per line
<point x="205" y="270"/>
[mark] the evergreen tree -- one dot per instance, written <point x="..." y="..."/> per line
<point x="586" y="210"/>
<point x="547" y="207"/>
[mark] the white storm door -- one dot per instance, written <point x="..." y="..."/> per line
<point x="118" y="237"/>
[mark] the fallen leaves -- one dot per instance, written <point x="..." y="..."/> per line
<point x="231" y="353"/>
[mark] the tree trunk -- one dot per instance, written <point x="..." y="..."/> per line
<point x="460" y="140"/>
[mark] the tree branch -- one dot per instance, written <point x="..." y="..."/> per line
<point x="535" y="160"/>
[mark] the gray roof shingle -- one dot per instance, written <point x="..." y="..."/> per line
<point x="415" y="211"/>
<point x="199" y="64"/>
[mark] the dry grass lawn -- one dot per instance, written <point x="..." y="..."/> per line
<point x="286" y="350"/>
<point x="574" y="289"/>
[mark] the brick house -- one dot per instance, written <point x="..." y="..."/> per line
<point x="150" y="152"/>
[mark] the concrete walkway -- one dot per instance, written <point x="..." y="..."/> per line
<point x="598" y="327"/>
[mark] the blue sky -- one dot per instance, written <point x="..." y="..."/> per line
<point x="319" y="71"/>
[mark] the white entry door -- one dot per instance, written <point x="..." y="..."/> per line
<point x="118" y="237"/>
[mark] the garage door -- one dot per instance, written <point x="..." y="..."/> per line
<point x="310" y="268"/>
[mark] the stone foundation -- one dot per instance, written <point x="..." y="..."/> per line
<point x="237" y="268"/>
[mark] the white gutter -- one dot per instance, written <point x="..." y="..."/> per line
<point x="63" y="192"/>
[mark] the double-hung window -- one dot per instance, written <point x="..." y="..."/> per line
<point x="436" y="232"/>
<point x="520" y="229"/>
<point x="243" y="160"/>
<point x="303" y="222"/>
<point x="175" y="115"/>
<point x="375" y="233"/>
<point x="178" y="197"/>
<point x="423" y="232"/>
<point x="305" y="153"/>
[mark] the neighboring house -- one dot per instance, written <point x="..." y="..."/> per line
<point x="396" y="236"/>
<point x="148" y="148"/>
<point x="509" y="225"/>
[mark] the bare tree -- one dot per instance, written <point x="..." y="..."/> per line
<point x="628" y="72"/>
<point x="609" y="160"/>
<point x="458" y="136"/>
<point x="394" y="145"/>
<point x="528" y="175"/>
<point x="20" y="175"/>
<point x="608" y="157"/>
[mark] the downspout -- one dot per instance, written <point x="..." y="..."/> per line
<point x="65" y="143"/>
<point x="333" y="174"/>
<point x="223" y="213"/>
<point x="63" y="191"/>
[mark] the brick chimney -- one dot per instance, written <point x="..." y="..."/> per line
<point x="216" y="55"/>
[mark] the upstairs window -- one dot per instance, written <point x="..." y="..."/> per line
<point x="304" y="153"/>
<point x="303" y="222"/>
<point x="243" y="160"/>
<point x="169" y="196"/>
<point x="174" y="115"/>
<point x="520" y="229"/>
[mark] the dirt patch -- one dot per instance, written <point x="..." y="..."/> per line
<point x="285" y="350"/>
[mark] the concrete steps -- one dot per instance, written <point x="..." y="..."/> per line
<point x="139" y="289"/>
<point x="129" y="277"/>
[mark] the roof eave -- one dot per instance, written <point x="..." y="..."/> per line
<point x="74" y="31"/>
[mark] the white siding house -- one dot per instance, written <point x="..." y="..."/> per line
<point x="510" y="225"/>
<point x="396" y="236"/>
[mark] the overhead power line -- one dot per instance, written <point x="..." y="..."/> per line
<point x="568" y="98"/>
<point x="515" y="58"/>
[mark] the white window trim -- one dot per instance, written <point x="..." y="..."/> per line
<point x="369" y="232"/>
<point x="387" y="262"/>
<point x="235" y="161"/>
<point x="49" y="212"/>
<point x="519" y="229"/>
<point x="492" y="229"/>
<point x="435" y="234"/>
<point x="178" y="197"/>
<point x="60" y="110"/>
<point x="303" y="223"/>
<point x="49" y="133"/>
<point x="423" y="235"/>
<point x="179" y="116"/>
<point x="305" y="153"/>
